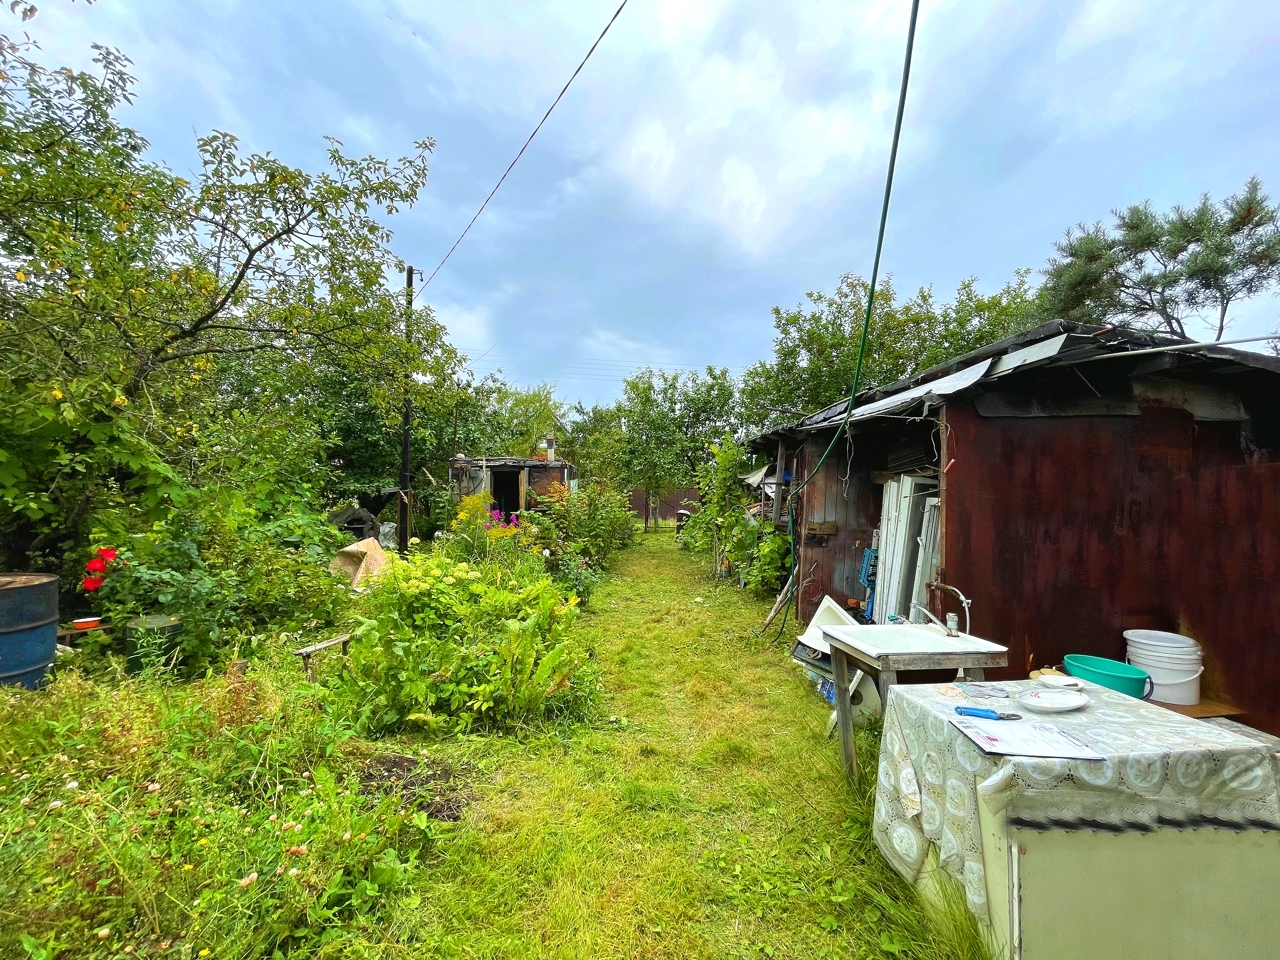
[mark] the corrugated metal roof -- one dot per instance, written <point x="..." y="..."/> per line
<point x="931" y="392"/>
<point x="1059" y="343"/>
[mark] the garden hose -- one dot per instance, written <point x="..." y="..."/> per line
<point x="866" y="320"/>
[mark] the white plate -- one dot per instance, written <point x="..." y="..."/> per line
<point x="1061" y="682"/>
<point x="1052" y="701"/>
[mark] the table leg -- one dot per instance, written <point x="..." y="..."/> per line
<point x="844" y="711"/>
<point x="886" y="680"/>
<point x="976" y="674"/>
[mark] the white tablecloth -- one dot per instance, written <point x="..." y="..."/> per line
<point x="1161" y="769"/>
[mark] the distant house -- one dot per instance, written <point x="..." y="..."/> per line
<point x="509" y="480"/>
<point x="1073" y="482"/>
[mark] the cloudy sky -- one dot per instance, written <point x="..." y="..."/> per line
<point x="715" y="158"/>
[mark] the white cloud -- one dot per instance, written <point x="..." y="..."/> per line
<point x="469" y="327"/>
<point x="742" y="200"/>
<point x="648" y="158"/>
<point x="605" y="343"/>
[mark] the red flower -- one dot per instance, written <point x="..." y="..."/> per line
<point x="96" y="565"/>
<point x="91" y="584"/>
<point x="108" y="553"/>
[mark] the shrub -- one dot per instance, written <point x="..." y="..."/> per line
<point x="450" y="645"/>
<point x="226" y="584"/>
<point x="768" y="565"/>
<point x="738" y="542"/>
<point x="227" y="818"/>
<point x="595" y="520"/>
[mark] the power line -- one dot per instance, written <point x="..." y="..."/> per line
<point x="526" y="145"/>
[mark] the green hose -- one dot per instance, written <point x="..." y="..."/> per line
<point x="866" y="320"/>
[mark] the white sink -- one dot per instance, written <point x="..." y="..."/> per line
<point x="878" y="640"/>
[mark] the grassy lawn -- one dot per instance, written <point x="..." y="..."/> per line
<point x="702" y="813"/>
<point x="706" y="817"/>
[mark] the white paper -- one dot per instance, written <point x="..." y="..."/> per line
<point x="1023" y="738"/>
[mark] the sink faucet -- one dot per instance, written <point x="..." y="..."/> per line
<point x="951" y="631"/>
<point x="965" y="601"/>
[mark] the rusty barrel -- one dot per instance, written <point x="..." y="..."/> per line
<point x="28" y="627"/>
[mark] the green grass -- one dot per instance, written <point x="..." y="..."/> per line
<point x="701" y="813"/>
<point x="707" y="816"/>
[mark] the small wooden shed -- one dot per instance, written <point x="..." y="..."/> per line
<point x="509" y="481"/>
<point x="1072" y="482"/>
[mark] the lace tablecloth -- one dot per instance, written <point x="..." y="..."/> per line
<point x="1161" y="769"/>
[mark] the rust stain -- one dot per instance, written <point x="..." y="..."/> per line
<point x="1068" y="531"/>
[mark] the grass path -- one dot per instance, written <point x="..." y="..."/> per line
<point x="705" y="817"/>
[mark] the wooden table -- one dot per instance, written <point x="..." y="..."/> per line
<point x="884" y="651"/>
<point x="1203" y="710"/>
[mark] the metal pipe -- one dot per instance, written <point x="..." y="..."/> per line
<point x="1176" y="346"/>
<point x="965" y="601"/>
<point x="928" y="613"/>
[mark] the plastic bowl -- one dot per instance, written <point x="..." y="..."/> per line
<point x="1121" y="677"/>
<point x="86" y="623"/>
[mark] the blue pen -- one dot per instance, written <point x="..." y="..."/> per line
<point x="986" y="714"/>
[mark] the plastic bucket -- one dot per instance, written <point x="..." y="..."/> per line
<point x="1121" y="677"/>
<point x="1161" y="641"/>
<point x="1175" y="678"/>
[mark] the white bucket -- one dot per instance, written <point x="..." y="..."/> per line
<point x="1160" y="641"/>
<point x="1175" y="678"/>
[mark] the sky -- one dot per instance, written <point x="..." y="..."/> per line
<point x="714" y="158"/>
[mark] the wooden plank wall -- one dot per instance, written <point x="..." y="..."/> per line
<point x="831" y="565"/>
<point x="1067" y="531"/>
<point x="668" y="505"/>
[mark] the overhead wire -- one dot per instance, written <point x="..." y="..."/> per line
<point x="871" y="295"/>
<point x="511" y="166"/>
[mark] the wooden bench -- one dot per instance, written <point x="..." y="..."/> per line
<point x="306" y="653"/>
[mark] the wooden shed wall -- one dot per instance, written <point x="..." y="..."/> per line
<point x="830" y="565"/>
<point x="667" y="505"/>
<point x="1067" y="531"/>
<point x="542" y="478"/>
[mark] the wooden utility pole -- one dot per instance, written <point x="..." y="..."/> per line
<point x="403" y="513"/>
<point x="778" y="470"/>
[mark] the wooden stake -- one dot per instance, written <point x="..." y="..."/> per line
<point x="780" y="602"/>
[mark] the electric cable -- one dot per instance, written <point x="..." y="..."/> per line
<point x="866" y="320"/>
<point x="522" y="149"/>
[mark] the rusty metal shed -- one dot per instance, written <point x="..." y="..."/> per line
<point x="512" y="482"/>
<point x="1086" y="481"/>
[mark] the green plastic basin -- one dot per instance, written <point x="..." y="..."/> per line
<point x="1121" y="677"/>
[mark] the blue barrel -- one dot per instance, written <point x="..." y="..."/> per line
<point x="28" y="627"/>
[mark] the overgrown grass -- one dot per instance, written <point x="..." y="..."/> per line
<point x="703" y="814"/>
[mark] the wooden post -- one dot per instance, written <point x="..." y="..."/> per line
<point x="844" y="712"/>
<point x="777" y="480"/>
<point x="884" y="681"/>
<point x="780" y="602"/>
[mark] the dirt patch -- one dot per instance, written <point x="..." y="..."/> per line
<point x="431" y="786"/>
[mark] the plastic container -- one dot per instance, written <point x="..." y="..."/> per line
<point x="1174" y="662"/>
<point x="1112" y="674"/>
<point x="1162" y="642"/>
<point x="28" y="627"/>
